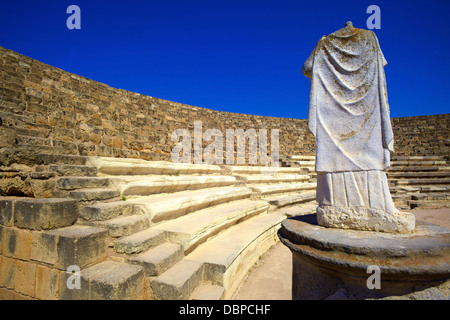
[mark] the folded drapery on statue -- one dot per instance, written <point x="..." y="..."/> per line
<point x="349" y="111"/>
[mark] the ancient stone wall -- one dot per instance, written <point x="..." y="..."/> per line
<point x="44" y="109"/>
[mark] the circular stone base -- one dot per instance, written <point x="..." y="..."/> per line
<point x="334" y="263"/>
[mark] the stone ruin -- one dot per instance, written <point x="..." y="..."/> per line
<point x="89" y="192"/>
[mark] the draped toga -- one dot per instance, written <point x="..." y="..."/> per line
<point x="349" y="116"/>
<point x="348" y="109"/>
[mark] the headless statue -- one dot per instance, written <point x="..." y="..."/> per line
<point x="349" y="116"/>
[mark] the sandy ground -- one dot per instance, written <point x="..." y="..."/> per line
<point x="270" y="277"/>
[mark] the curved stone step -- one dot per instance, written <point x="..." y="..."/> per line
<point x="49" y="159"/>
<point x="124" y="225"/>
<point x="256" y="178"/>
<point x="169" y="206"/>
<point x="146" y="185"/>
<point x="302" y="157"/>
<point x="208" y="292"/>
<point x="282" y="188"/>
<point x="94" y="194"/>
<point x="140" y="241"/>
<point x="413" y="158"/>
<point x="420" y="169"/>
<point x="179" y="281"/>
<point x="418" y="163"/>
<point x="125" y="166"/>
<point x="106" y="210"/>
<point x="107" y="280"/>
<point x="193" y="229"/>
<point x="430" y="181"/>
<point x="287" y="200"/>
<point x="305" y="208"/>
<point x="419" y="174"/>
<point x="72" y="183"/>
<point x="158" y="259"/>
<point x="228" y="257"/>
<point x="73" y="170"/>
<point x="262" y="170"/>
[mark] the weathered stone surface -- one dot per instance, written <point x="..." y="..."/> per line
<point x="326" y="260"/>
<point x="94" y="194"/>
<point x="45" y="214"/>
<point x="71" y="183"/>
<point x="125" y="225"/>
<point x="6" y="212"/>
<point x="16" y="243"/>
<point x="178" y="282"/>
<point x="157" y="260"/>
<point x="107" y="281"/>
<point x="208" y="292"/>
<point x="139" y="241"/>
<point x="365" y="219"/>
<point x="79" y="245"/>
<point x="107" y="210"/>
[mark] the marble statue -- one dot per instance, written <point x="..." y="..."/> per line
<point x="349" y="116"/>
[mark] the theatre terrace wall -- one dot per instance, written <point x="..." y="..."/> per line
<point x="44" y="109"/>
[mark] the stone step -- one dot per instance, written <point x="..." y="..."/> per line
<point x="228" y="257"/>
<point x="71" y="183"/>
<point x="140" y="241"/>
<point x="430" y="196"/>
<point x="195" y="228"/>
<point x="256" y="178"/>
<point x="73" y="170"/>
<point x="122" y="166"/>
<point x="429" y="204"/>
<point x="75" y="245"/>
<point x="169" y="206"/>
<point x="287" y="200"/>
<point x="208" y="292"/>
<point x="266" y="189"/>
<point x="146" y="185"/>
<point x="418" y="163"/>
<point x="49" y="159"/>
<point x="31" y="140"/>
<point x="302" y="157"/>
<point x="419" y="189"/>
<point x="179" y="281"/>
<point x="108" y="280"/>
<point x="432" y="174"/>
<point x="262" y="170"/>
<point x="437" y="181"/>
<point x="38" y="214"/>
<point x="94" y="194"/>
<point x="106" y="210"/>
<point x="124" y="225"/>
<point x="158" y="259"/>
<point x="293" y="211"/>
<point x="413" y="158"/>
<point x="418" y="169"/>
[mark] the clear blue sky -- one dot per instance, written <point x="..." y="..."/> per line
<point x="239" y="56"/>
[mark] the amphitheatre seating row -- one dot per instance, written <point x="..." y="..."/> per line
<point x="159" y="230"/>
<point x="167" y="230"/>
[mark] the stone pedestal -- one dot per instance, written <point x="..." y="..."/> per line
<point x="333" y="263"/>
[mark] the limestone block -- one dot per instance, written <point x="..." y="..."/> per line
<point x="6" y="212"/>
<point x="16" y="243"/>
<point x="47" y="281"/>
<point x="362" y="218"/>
<point x="75" y="245"/>
<point x="45" y="214"/>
